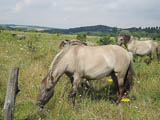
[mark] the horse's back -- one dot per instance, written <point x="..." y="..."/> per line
<point x="95" y="51"/>
<point x="152" y="43"/>
<point x="98" y="61"/>
<point x="144" y="47"/>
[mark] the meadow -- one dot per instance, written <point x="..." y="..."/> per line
<point x="34" y="55"/>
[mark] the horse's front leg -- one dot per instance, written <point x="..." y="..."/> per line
<point x="71" y="80"/>
<point x="70" y="77"/>
<point x="76" y="82"/>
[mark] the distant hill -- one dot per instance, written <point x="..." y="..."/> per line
<point x="96" y="28"/>
<point x="86" y="29"/>
<point x="24" y="27"/>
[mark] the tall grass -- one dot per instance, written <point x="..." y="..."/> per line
<point x="34" y="55"/>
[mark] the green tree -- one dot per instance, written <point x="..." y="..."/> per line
<point x="105" y="40"/>
<point x="82" y="37"/>
<point x="3" y="28"/>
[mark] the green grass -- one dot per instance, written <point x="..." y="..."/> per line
<point x="34" y="56"/>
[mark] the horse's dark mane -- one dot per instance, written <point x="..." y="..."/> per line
<point x="71" y="43"/>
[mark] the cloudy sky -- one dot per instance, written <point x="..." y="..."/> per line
<point x="74" y="13"/>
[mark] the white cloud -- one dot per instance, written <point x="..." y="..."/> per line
<point x="26" y="4"/>
<point x="72" y="13"/>
<point x="20" y="5"/>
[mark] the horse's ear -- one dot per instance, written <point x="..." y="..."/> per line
<point x="65" y="41"/>
<point x="62" y="44"/>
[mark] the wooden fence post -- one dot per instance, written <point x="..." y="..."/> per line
<point x="12" y="90"/>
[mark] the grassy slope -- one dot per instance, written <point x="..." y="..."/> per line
<point x="34" y="56"/>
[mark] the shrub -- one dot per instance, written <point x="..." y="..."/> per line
<point x="82" y="37"/>
<point x="105" y="40"/>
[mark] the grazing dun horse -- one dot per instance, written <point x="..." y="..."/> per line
<point x="80" y="61"/>
<point x="139" y="48"/>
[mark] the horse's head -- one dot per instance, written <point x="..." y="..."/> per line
<point x="46" y="90"/>
<point x="120" y="40"/>
<point x="123" y="39"/>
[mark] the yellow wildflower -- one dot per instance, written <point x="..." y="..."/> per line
<point x="110" y="80"/>
<point x="40" y="118"/>
<point x="125" y="100"/>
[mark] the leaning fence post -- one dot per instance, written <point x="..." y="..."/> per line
<point x="12" y="90"/>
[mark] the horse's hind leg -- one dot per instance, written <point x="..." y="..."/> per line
<point x="76" y="82"/>
<point x="121" y="87"/>
<point x="118" y="80"/>
<point x="114" y="78"/>
<point x="85" y="84"/>
<point x="152" y="53"/>
<point x="151" y="57"/>
<point x="158" y="54"/>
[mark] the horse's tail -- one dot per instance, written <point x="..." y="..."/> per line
<point x="129" y="77"/>
<point x="158" y="54"/>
